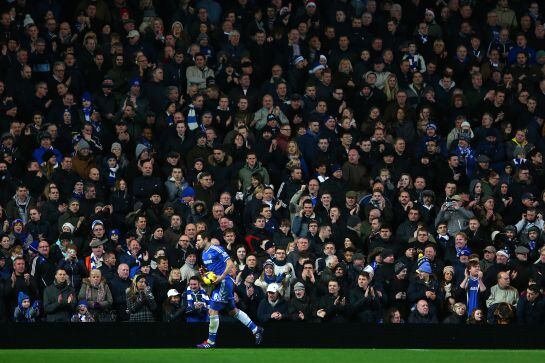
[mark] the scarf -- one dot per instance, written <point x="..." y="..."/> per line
<point x="95" y="262"/>
<point x="112" y="174"/>
<point x="87" y="113"/>
<point x="101" y="293"/>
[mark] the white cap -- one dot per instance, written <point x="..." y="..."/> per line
<point x="172" y="292"/>
<point x="133" y="33"/>
<point x="273" y="287"/>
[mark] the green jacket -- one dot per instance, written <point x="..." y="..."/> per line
<point x="245" y="174"/>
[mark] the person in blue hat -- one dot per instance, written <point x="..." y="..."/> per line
<point x="425" y="286"/>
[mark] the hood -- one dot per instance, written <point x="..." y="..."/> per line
<point x="199" y="202"/>
<point x="227" y="161"/>
<point x="22" y="296"/>
<point x="25" y="202"/>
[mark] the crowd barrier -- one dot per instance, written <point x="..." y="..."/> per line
<point x="279" y="335"/>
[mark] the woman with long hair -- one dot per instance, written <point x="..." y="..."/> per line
<point x="391" y="87"/>
<point x="140" y="300"/>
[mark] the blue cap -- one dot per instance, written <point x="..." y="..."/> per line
<point x="135" y="82"/>
<point x="188" y="192"/>
<point x="34" y="246"/>
<point x="464" y="252"/>
<point x="425" y="267"/>
<point x="86" y="96"/>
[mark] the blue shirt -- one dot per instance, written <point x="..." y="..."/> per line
<point x="215" y="259"/>
<point x="472" y="295"/>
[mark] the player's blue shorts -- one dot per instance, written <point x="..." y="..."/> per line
<point x="222" y="296"/>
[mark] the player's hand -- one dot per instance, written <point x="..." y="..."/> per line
<point x="218" y="280"/>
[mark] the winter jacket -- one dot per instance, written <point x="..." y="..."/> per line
<point x="141" y="306"/>
<point x="75" y="270"/>
<point x="194" y="315"/>
<point x="416" y="318"/>
<point x="334" y="313"/>
<point x="18" y="209"/>
<point x="418" y="288"/>
<point x="118" y="289"/>
<point x="303" y="305"/>
<point x="365" y="309"/>
<point x="456" y="219"/>
<point x="99" y="298"/>
<point x="55" y="311"/>
<point x="25" y="315"/>
<point x="530" y="312"/>
<point x="266" y="308"/>
<point x="245" y="175"/>
<point x="498" y="295"/>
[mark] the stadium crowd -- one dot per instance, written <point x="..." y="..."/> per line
<point x="360" y="160"/>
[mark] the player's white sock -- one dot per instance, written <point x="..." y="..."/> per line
<point x="245" y="319"/>
<point x="213" y="328"/>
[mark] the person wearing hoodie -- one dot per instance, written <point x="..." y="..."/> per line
<point x="45" y="146"/>
<point x="82" y="314"/>
<point x="25" y="312"/>
<point x="189" y="268"/>
<point x="20" y="204"/>
<point x="175" y="184"/>
<point x="59" y="298"/>
<point x="84" y="161"/>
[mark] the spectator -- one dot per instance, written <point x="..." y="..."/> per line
<point x="422" y="314"/>
<point x="140" y="301"/>
<point x="196" y="302"/>
<point x="273" y="307"/>
<point x="531" y="307"/>
<point x="59" y="298"/>
<point x="502" y="292"/>
<point x="253" y="127"/>
<point x="96" y="293"/>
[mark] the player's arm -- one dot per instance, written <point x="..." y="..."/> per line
<point x="228" y="267"/>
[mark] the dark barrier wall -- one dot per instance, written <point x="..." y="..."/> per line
<point x="281" y="335"/>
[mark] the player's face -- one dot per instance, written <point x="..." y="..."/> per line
<point x="199" y="242"/>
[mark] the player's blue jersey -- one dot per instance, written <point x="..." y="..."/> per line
<point x="215" y="259"/>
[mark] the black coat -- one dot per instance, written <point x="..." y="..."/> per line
<point x="365" y="309"/>
<point x="118" y="287"/>
<point x="265" y="310"/>
<point x="144" y="186"/>
<point x="416" y="318"/>
<point x="530" y="312"/>
<point x="303" y="305"/>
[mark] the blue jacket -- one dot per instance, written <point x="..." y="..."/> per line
<point x="194" y="315"/>
<point x="39" y="153"/>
